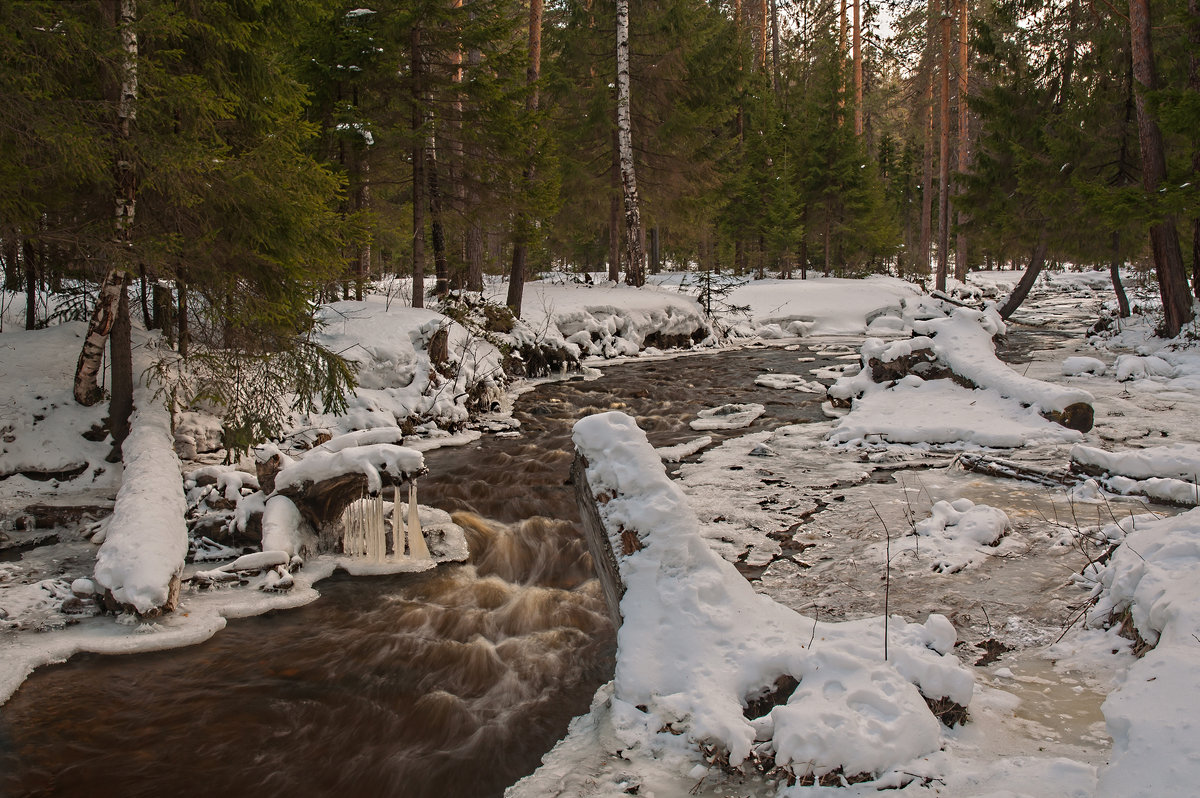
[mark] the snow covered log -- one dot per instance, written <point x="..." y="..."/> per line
<point x="700" y="653"/>
<point x="141" y="560"/>
<point x="318" y="487"/>
<point x="1168" y="474"/>
<point x="959" y="347"/>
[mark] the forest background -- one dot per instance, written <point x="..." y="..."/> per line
<point x="217" y="167"/>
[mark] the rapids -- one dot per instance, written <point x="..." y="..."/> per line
<point x="450" y="683"/>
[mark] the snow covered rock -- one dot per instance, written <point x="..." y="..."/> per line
<point x="1078" y="366"/>
<point x="701" y="654"/>
<point x="732" y="416"/>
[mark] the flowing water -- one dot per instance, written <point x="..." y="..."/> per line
<point x="445" y="684"/>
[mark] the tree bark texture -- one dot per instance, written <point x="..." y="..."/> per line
<point x="922" y="261"/>
<point x="858" y="70"/>
<point x="943" y="255"/>
<point x="1114" y="273"/>
<point x="1194" y="88"/>
<point x="120" y="406"/>
<point x="1164" y="237"/>
<point x="960" y="250"/>
<point x="30" y="284"/>
<point x="418" y="171"/>
<point x="636" y="274"/>
<point x="522" y="224"/>
<point x="87" y="389"/>
<point x="1037" y="260"/>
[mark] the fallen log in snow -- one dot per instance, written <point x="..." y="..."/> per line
<point x="960" y="348"/>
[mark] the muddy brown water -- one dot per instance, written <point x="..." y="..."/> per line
<point x="448" y="684"/>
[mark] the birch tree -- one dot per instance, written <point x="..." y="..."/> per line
<point x="87" y="390"/>
<point x="636" y="274"/>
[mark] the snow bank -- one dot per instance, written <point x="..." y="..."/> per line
<point x="698" y="645"/>
<point x="964" y="342"/>
<point x="822" y="305"/>
<point x="1005" y="409"/>
<point x="371" y="461"/>
<point x="606" y="319"/>
<point x="142" y="556"/>
<point x="1167" y="473"/>
<point x="1152" y="715"/>
<point x="942" y="413"/>
<point x="397" y="380"/>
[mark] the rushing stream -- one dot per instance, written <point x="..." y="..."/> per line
<point x="445" y="684"/>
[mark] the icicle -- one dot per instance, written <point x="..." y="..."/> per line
<point x="416" y="540"/>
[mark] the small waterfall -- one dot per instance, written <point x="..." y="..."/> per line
<point x="364" y="533"/>
<point x="416" y="540"/>
<point x="364" y="529"/>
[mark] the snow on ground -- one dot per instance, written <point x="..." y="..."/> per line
<point x="821" y="305"/>
<point x="1152" y="715"/>
<point x="784" y="502"/>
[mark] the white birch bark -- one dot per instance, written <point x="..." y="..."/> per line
<point x="87" y="389"/>
<point x="636" y="274"/>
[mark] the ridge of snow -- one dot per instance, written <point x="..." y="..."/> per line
<point x="685" y="606"/>
<point x="147" y="535"/>
<point x="1152" y="714"/>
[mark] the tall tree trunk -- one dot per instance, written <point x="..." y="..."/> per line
<point x="636" y="274"/>
<point x="87" y="391"/>
<point x="1114" y="272"/>
<point x="522" y="225"/>
<point x="185" y="332"/>
<point x="777" y="80"/>
<point x="763" y="16"/>
<point x="960" y="250"/>
<point x="1037" y="261"/>
<point x="927" y="156"/>
<point x="1194" y="88"/>
<point x="475" y="246"/>
<point x="121" y="406"/>
<point x="944" y="160"/>
<point x="144" y="286"/>
<point x="1164" y="238"/>
<point x="614" y="214"/>
<point x="418" y="170"/>
<point x="31" y="285"/>
<point x="858" y="71"/>
<point x="362" y="202"/>
<point x="437" y="232"/>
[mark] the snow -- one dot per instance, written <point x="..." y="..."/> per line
<point x="143" y="552"/>
<point x="1152" y="714"/>
<point x="1167" y="473"/>
<point x="784" y="382"/>
<point x="824" y="305"/>
<point x="726" y="643"/>
<point x="733" y="416"/>
<point x="371" y="461"/>
<point x="717" y="642"/>
<point x="1079" y="366"/>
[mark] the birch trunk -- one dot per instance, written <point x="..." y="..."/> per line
<point x="1164" y="238"/>
<point x="87" y="390"/>
<point x="636" y="275"/>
